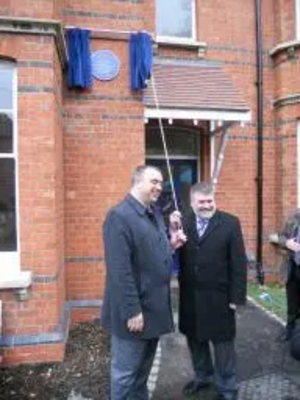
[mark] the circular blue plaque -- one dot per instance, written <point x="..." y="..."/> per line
<point x="105" y="65"/>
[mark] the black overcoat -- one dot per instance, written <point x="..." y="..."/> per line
<point x="213" y="274"/>
<point x="138" y="259"/>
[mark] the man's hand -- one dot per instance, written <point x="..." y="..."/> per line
<point x="177" y="238"/>
<point x="232" y="306"/>
<point x="175" y="221"/>
<point x="136" y="323"/>
<point x="291" y="244"/>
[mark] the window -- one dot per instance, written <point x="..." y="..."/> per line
<point x="175" y="20"/>
<point x="8" y="167"/>
<point x="184" y="149"/>
<point x="181" y="141"/>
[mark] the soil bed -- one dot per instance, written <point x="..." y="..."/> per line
<point x="84" y="374"/>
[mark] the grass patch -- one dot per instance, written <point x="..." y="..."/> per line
<point x="271" y="297"/>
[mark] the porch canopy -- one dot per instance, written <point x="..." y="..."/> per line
<point x="194" y="89"/>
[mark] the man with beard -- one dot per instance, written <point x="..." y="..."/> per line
<point x="137" y="307"/>
<point x="212" y="282"/>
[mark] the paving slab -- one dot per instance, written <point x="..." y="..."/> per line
<point x="266" y="370"/>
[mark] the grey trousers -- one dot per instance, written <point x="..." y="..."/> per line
<point x="131" y="362"/>
<point x="223" y="372"/>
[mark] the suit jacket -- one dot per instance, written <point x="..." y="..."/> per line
<point x="138" y="262"/>
<point x="213" y="274"/>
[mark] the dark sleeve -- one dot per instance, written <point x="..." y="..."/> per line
<point x="118" y="257"/>
<point x="238" y="266"/>
<point x="285" y="234"/>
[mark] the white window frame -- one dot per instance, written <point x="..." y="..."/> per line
<point x="175" y="39"/>
<point x="297" y="19"/>
<point x="10" y="261"/>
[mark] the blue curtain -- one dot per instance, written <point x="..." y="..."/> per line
<point x="141" y="59"/>
<point x="79" y="68"/>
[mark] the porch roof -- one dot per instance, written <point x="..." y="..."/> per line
<point x="194" y="90"/>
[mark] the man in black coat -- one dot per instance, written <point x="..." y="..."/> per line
<point x="137" y="306"/>
<point x="212" y="281"/>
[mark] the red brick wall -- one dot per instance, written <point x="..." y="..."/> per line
<point x="286" y="83"/>
<point x="104" y="141"/>
<point x="102" y="128"/>
<point x="230" y="36"/>
<point x="78" y="149"/>
<point x="284" y="15"/>
<point x="44" y="9"/>
<point x="123" y="15"/>
<point x="40" y="189"/>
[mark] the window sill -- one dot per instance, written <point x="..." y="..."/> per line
<point x="182" y="43"/>
<point x="289" y="47"/>
<point x="15" y="280"/>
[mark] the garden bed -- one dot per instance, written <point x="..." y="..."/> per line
<point x="84" y="374"/>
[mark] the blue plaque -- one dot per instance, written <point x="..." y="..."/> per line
<point x="105" y="65"/>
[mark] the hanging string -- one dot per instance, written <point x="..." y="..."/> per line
<point x="163" y="137"/>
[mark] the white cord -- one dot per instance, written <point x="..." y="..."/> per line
<point x="163" y="137"/>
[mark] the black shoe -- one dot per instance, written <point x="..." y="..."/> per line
<point x="194" y="387"/>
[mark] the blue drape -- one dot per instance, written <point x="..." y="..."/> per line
<point x="79" y="68"/>
<point x="141" y="59"/>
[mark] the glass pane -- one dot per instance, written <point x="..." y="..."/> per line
<point x="179" y="142"/>
<point x="6" y="133"/>
<point x="6" y="88"/>
<point x="8" y="233"/>
<point x="174" y="18"/>
<point x="185" y="178"/>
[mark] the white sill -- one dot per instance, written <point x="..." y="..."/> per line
<point x="178" y="42"/>
<point x="15" y="280"/>
<point x="285" y="47"/>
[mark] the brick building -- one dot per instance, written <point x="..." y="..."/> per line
<point x="66" y="155"/>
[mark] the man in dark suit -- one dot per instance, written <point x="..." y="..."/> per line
<point x="137" y="306"/>
<point x="212" y="281"/>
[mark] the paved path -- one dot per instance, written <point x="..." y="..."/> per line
<point x="267" y="372"/>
